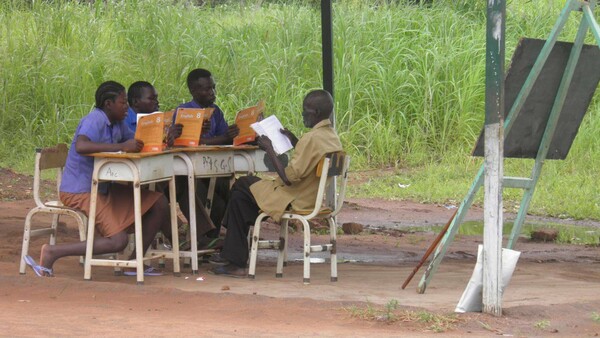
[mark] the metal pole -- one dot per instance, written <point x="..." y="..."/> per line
<point x="494" y="155"/>
<point x="327" y="55"/>
<point x="327" y="45"/>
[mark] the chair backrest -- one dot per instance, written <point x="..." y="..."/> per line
<point x="332" y="167"/>
<point x="48" y="158"/>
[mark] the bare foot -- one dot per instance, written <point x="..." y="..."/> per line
<point x="46" y="257"/>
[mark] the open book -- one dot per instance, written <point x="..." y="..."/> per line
<point x="168" y="117"/>
<point x="271" y="127"/>
<point x="191" y="119"/>
<point x="244" y="119"/>
<point x="150" y="130"/>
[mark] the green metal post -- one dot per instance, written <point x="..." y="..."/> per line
<point x="442" y="247"/>
<point x="588" y="12"/>
<point x="511" y="116"/>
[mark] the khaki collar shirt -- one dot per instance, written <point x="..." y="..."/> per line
<point x="274" y="197"/>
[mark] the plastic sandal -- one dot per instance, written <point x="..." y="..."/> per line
<point x="39" y="270"/>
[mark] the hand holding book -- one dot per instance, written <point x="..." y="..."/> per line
<point x="264" y="142"/>
<point x="271" y="127"/>
<point x="293" y="139"/>
<point x="173" y="131"/>
<point x="150" y="130"/>
<point x="133" y="146"/>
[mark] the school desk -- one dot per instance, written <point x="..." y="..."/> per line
<point x="139" y="169"/>
<point x="145" y="168"/>
<point x="211" y="162"/>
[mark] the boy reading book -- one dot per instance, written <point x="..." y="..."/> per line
<point x="143" y="99"/>
<point x="136" y="98"/>
<point x="296" y="185"/>
<point x="203" y="90"/>
<point x="271" y="127"/>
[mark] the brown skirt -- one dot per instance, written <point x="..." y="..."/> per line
<point x="114" y="211"/>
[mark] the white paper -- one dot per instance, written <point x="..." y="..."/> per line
<point x="471" y="300"/>
<point x="271" y="127"/>
<point x="138" y="116"/>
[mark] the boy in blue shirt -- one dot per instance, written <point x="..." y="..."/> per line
<point x="202" y="87"/>
<point x="143" y="99"/>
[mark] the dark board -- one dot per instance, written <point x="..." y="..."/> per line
<point x="526" y="133"/>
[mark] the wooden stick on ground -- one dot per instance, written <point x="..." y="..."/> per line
<point x="430" y="250"/>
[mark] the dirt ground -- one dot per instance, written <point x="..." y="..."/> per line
<point x="553" y="292"/>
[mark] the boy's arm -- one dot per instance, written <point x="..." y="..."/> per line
<point x="265" y="144"/>
<point x="83" y="145"/>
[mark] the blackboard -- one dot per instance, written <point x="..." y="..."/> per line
<point x="525" y="136"/>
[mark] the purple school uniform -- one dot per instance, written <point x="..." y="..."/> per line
<point x="77" y="175"/>
<point x="131" y="119"/>
<point x="218" y="125"/>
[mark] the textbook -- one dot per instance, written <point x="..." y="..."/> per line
<point x="150" y="130"/>
<point x="244" y="119"/>
<point x="271" y="127"/>
<point x="191" y="119"/>
<point x="168" y="117"/>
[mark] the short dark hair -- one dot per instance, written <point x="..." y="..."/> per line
<point x="135" y="90"/>
<point x="196" y="74"/>
<point x="108" y="90"/>
<point x="322" y="100"/>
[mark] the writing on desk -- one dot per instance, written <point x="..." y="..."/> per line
<point x="216" y="164"/>
<point x="111" y="173"/>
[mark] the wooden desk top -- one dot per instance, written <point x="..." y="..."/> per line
<point x="170" y="151"/>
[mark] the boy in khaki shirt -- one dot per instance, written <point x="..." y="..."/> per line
<point x="296" y="185"/>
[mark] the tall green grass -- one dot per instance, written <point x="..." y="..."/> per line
<point x="409" y="84"/>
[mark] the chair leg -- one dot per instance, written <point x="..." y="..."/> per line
<point x="306" y="251"/>
<point x="81" y="224"/>
<point x="333" y="258"/>
<point x="26" y="240"/>
<point x="282" y="247"/>
<point x="55" y="219"/>
<point x="254" y="249"/>
<point x="89" y="254"/>
<point x="285" y="244"/>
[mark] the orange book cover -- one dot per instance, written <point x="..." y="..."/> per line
<point x="150" y="130"/>
<point x="168" y="117"/>
<point x="191" y="119"/>
<point x="244" y="119"/>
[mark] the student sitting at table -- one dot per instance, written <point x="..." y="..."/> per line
<point x="296" y="185"/>
<point x="143" y="99"/>
<point x="104" y="129"/>
<point x="202" y="87"/>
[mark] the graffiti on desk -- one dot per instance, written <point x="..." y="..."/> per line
<point x="217" y="164"/>
<point x="111" y="173"/>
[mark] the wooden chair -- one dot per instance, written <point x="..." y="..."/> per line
<point x="334" y="165"/>
<point x="45" y="159"/>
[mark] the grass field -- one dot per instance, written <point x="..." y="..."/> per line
<point x="409" y="84"/>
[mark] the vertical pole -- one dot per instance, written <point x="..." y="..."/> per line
<point x="327" y="56"/>
<point x="327" y="46"/>
<point x="494" y="153"/>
